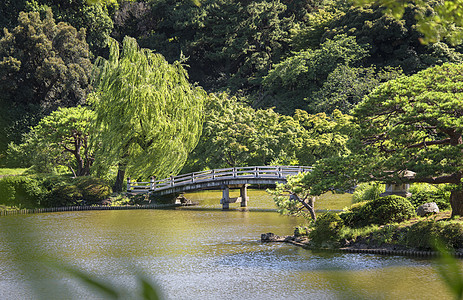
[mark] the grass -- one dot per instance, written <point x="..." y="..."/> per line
<point x="6" y="171"/>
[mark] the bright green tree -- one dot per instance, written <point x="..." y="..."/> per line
<point x="149" y="115"/>
<point x="59" y="139"/>
<point x="235" y="134"/>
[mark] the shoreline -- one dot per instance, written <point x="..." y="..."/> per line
<point x="386" y="250"/>
<point x="26" y="211"/>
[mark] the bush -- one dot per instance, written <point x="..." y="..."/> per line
<point x="326" y="230"/>
<point x="425" y="193"/>
<point x="423" y="235"/>
<point x="94" y="190"/>
<point x="391" y="209"/>
<point x="67" y="191"/>
<point x="355" y="215"/>
<point x="22" y="191"/>
<point x="380" y="211"/>
<point x="63" y="194"/>
<point x="367" y="191"/>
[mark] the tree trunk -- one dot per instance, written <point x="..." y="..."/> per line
<point x="119" y="184"/>
<point x="456" y="202"/>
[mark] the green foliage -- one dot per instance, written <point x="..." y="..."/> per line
<point x="424" y="234"/>
<point x="425" y="193"/>
<point x="67" y="191"/>
<point x="235" y="134"/>
<point x="43" y="65"/>
<point x="22" y="191"/>
<point x="379" y="211"/>
<point x="304" y="72"/>
<point x="95" y="19"/>
<point x="228" y="43"/>
<point x="390" y="209"/>
<point x="15" y="171"/>
<point x="444" y="23"/>
<point x="346" y="86"/>
<point x="449" y="269"/>
<point x="414" y="123"/>
<point x="393" y="42"/>
<point x="327" y="230"/>
<point x="367" y="191"/>
<point x="149" y="115"/>
<point x="323" y="135"/>
<point x="59" y="139"/>
<point x="356" y="215"/>
<point x="287" y="205"/>
<point x="301" y="231"/>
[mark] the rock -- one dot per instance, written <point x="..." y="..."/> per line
<point x="427" y="208"/>
<point x="184" y="201"/>
<point x="271" y="237"/>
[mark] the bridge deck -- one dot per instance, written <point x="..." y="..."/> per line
<point x="216" y="178"/>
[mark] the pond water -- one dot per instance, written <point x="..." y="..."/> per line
<point x="195" y="253"/>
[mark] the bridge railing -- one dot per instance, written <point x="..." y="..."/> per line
<point x="268" y="172"/>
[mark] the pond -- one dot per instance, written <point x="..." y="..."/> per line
<point x="200" y="252"/>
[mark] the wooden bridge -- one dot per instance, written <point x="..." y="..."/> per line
<point x="224" y="179"/>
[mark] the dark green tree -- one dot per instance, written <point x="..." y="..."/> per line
<point x="95" y="19"/>
<point x="43" y="66"/>
<point x="410" y="123"/>
<point x="444" y="23"/>
<point x="292" y="82"/>
<point x="346" y="86"/>
<point x="393" y="42"/>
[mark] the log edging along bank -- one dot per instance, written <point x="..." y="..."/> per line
<point x="27" y="211"/>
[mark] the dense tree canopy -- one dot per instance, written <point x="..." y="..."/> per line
<point x="149" y="115"/>
<point x="235" y="134"/>
<point x="410" y="123"/>
<point x="43" y="66"/>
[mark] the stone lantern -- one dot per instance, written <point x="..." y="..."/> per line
<point x="399" y="189"/>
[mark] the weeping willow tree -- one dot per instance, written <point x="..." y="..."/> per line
<point x="149" y="116"/>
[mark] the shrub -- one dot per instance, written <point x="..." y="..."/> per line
<point x="68" y="191"/>
<point x="22" y="191"/>
<point x="425" y="193"/>
<point x="94" y="190"/>
<point x="63" y="194"/>
<point x="391" y="209"/>
<point x="423" y="235"/>
<point x="380" y="211"/>
<point x="367" y="191"/>
<point x="326" y="230"/>
<point x="355" y="214"/>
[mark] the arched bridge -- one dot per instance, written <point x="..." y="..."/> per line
<point x="224" y="179"/>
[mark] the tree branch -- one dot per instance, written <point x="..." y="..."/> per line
<point x="429" y="143"/>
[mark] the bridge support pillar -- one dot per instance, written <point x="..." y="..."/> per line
<point x="244" y="195"/>
<point x="225" y="198"/>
